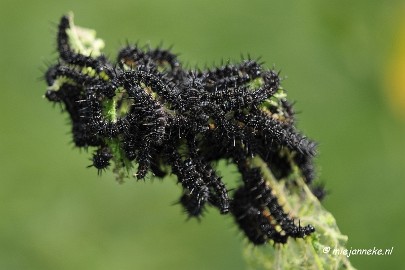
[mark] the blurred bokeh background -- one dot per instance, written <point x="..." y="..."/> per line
<point x="345" y="63"/>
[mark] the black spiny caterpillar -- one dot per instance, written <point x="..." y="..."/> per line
<point x="146" y="111"/>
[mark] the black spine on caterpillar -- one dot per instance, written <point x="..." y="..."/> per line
<point x="143" y="158"/>
<point x="252" y="220"/>
<point x="74" y="75"/>
<point x="101" y="159"/>
<point x="283" y="135"/>
<point x="288" y="110"/>
<point x="191" y="205"/>
<point x="306" y="166"/>
<point x="231" y="75"/>
<point x="69" y="56"/>
<point x="218" y="194"/>
<point x="75" y="102"/>
<point x="240" y="96"/>
<point x="160" y="57"/>
<point x="191" y="181"/>
<point x="131" y="56"/>
<point x="50" y="75"/>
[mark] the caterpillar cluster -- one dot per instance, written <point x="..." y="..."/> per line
<point x="148" y="113"/>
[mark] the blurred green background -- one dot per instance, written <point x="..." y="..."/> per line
<point x="342" y="62"/>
